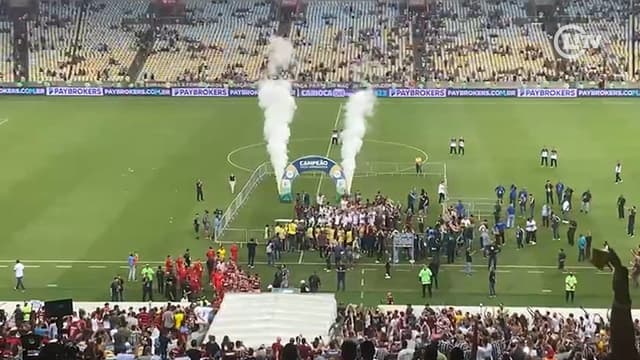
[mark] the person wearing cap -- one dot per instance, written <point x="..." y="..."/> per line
<point x="570" y="282"/>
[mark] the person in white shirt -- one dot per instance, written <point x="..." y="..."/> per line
<point x="18" y="268"/>
<point x="232" y="183"/>
<point x="531" y="229"/>
<point x="618" y="171"/>
<point x="442" y="192"/>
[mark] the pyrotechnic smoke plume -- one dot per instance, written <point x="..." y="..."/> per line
<point x="280" y="55"/>
<point x="278" y="105"/>
<point x="357" y="110"/>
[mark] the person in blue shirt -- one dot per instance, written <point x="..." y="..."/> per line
<point x="582" y="248"/>
<point x="522" y="201"/>
<point x="513" y="192"/>
<point x="500" y="193"/>
<point x="411" y="201"/>
<point x="560" y="191"/>
<point x="511" y="216"/>
<point x="500" y="228"/>
<point x="460" y="209"/>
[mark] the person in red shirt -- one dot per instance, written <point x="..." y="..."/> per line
<point x="218" y="279"/>
<point x="180" y="262"/>
<point x="198" y="268"/>
<point x="276" y="349"/>
<point x="182" y="275"/>
<point x="168" y="264"/>
<point x="234" y="253"/>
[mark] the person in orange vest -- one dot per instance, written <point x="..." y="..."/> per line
<point x="234" y="253"/>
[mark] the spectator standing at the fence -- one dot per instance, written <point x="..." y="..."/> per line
<point x="425" y="276"/>
<point x="199" y="190"/>
<point x="18" y="269"/>
<point x="570" y="283"/>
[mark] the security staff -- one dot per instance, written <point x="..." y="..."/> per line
<point x="570" y="283"/>
<point x="492" y="282"/>
<point x="160" y="279"/>
<point x="425" y="276"/>
<point x="434" y="266"/>
<point x="199" y="190"/>
<point x="147" y="289"/>
<point x="418" y="165"/>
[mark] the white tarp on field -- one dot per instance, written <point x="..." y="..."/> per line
<point x="258" y="319"/>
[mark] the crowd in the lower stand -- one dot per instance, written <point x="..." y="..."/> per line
<point x="178" y="332"/>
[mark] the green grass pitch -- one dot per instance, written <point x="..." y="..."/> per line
<point x="72" y="210"/>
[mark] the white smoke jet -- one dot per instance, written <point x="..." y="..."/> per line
<point x="280" y="55"/>
<point x="274" y="97"/>
<point x="278" y="105"/>
<point x="357" y="110"/>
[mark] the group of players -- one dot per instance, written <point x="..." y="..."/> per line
<point x="223" y="273"/>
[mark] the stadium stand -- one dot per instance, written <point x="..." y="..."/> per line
<point x="221" y="41"/>
<point x="6" y="52"/>
<point x="51" y="35"/>
<point x="341" y="41"/>
<point x="108" y="45"/>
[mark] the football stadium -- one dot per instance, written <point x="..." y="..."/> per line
<point x="319" y="179"/>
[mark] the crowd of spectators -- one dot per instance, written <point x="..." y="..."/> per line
<point x="179" y="331"/>
<point x="375" y="41"/>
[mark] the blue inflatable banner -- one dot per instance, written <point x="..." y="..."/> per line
<point x="311" y="163"/>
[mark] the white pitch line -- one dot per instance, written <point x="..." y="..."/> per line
<point x="535" y="272"/>
<point x="97" y="267"/>
<point x="3" y="121"/>
<point x="335" y="126"/>
<point x="63" y="266"/>
<point x="546" y="290"/>
<point x="116" y="262"/>
<point x="52" y="285"/>
<point x="32" y="266"/>
<point x="301" y="256"/>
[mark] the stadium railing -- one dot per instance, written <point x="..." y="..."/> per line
<point x="244" y="194"/>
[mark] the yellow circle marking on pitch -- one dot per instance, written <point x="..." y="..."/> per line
<point x="250" y="146"/>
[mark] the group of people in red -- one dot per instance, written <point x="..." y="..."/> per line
<point x="224" y="274"/>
